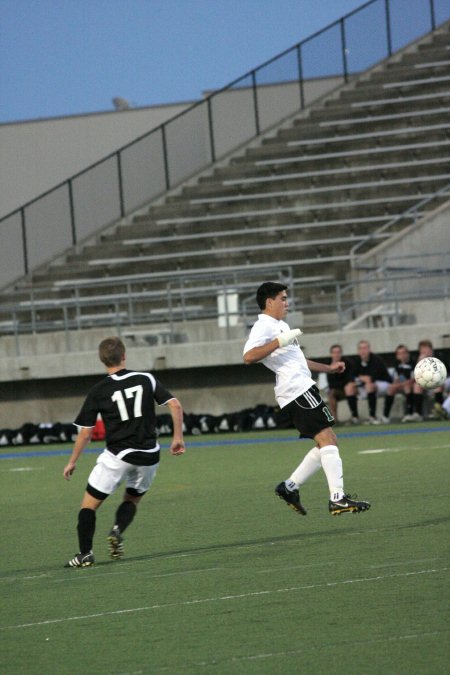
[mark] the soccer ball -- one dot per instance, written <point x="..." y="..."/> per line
<point x="430" y="373"/>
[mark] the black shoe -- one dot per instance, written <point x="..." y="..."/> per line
<point x="115" y="541"/>
<point x="291" y="497"/>
<point x="86" y="560"/>
<point x="347" y="505"/>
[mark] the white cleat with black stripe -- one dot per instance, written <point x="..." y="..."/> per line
<point x="81" y="560"/>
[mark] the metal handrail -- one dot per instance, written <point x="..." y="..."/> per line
<point x="412" y="211"/>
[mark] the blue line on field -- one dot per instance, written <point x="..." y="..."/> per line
<point x="234" y="441"/>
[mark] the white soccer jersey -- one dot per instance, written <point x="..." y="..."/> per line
<point x="293" y="376"/>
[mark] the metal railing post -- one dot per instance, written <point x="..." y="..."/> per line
<point x="339" y="305"/>
<point x="24" y="240"/>
<point x="344" y="50"/>
<point x="432" y="15"/>
<point x="16" y="333"/>
<point x="388" y="27"/>
<point x="165" y="157"/>
<point x="66" y="328"/>
<point x="211" y="130"/>
<point x="255" y="102"/>
<point x="300" y="76"/>
<point x="120" y="184"/>
<point x="72" y="211"/>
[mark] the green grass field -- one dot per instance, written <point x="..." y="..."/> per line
<point x="220" y="576"/>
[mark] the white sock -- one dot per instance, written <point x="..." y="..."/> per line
<point x="308" y="467"/>
<point x="332" y="466"/>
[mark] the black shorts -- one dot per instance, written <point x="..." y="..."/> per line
<point x="309" y="413"/>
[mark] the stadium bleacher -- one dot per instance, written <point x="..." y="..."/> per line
<point x="299" y="199"/>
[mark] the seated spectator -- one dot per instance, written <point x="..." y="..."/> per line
<point x="338" y="383"/>
<point x="403" y="382"/>
<point x="370" y="374"/>
<point x="446" y="404"/>
<point x="425" y="348"/>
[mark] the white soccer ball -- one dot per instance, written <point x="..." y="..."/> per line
<point x="430" y="373"/>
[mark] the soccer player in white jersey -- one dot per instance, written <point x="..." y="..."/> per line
<point x="126" y="401"/>
<point x="272" y="342"/>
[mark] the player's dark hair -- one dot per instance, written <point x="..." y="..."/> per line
<point x="425" y="343"/>
<point x="269" y="289"/>
<point x="111" y="351"/>
<point x="336" y="346"/>
<point x="402" y="346"/>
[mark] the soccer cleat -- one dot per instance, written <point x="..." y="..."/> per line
<point x="291" y="497"/>
<point x="385" y="420"/>
<point x="347" y="505"/>
<point x="115" y="542"/>
<point x="438" y="412"/>
<point x="355" y="420"/>
<point x="81" y="560"/>
<point x="372" y="420"/>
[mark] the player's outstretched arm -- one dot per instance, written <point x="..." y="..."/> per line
<point x="177" y="446"/>
<point x="83" y="438"/>
<point x="316" y="367"/>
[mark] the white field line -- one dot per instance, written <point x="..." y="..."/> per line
<point x="376" y="451"/>
<point x="300" y="652"/>
<point x="22" y="468"/>
<point x="222" y="598"/>
<point x="369" y="567"/>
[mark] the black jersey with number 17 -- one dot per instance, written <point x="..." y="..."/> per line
<point x="126" y="401"/>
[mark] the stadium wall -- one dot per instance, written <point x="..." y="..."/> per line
<point x="39" y="154"/>
<point x="429" y="236"/>
<point x="51" y="387"/>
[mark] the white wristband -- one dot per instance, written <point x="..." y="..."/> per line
<point x="288" y="337"/>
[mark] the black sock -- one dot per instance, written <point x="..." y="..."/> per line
<point x="418" y="403"/>
<point x="372" y="401"/>
<point x="388" y="401"/>
<point x="86" y="529"/>
<point x="125" y="514"/>
<point x="439" y="397"/>
<point x="409" y="403"/>
<point x="353" y="405"/>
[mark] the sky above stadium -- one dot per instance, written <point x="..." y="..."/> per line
<point x="69" y="57"/>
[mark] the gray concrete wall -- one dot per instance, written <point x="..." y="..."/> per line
<point x="429" y="236"/>
<point x="209" y="377"/>
<point x="38" y="154"/>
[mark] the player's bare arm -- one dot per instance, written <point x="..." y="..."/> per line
<point x="316" y="367"/>
<point x="177" y="446"/>
<point x="258" y="353"/>
<point x="81" y="441"/>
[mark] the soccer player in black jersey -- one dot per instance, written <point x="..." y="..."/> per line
<point x="425" y="348"/>
<point x="370" y="372"/>
<point x="125" y="399"/>
<point x="403" y="382"/>
<point x="338" y="383"/>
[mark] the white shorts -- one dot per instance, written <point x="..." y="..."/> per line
<point x="382" y="387"/>
<point x="109" y="472"/>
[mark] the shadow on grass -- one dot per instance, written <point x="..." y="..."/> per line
<point x="242" y="543"/>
